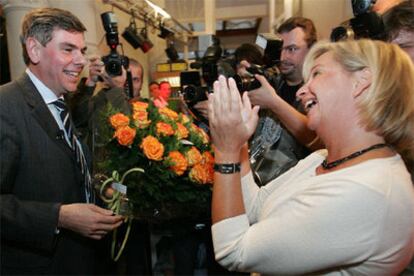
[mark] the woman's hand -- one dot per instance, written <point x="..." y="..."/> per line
<point x="232" y="119"/>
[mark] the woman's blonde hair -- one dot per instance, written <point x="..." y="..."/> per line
<point x="387" y="107"/>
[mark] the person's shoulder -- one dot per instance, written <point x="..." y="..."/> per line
<point x="7" y="89"/>
<point x="9" y="93"/>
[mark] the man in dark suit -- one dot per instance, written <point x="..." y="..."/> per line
<point x="49" y="222"/>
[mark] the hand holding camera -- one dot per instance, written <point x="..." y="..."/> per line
<point x="113" y="61"/>
<point x="265" y="95"/>
<point x="114" y="81"/>
<point x="96" y="68"/>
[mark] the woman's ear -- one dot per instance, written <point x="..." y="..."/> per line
<point x="33" y="49"/>
<point x="363" y="80"/>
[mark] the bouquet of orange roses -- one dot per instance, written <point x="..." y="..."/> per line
<point x="162" y="160"/>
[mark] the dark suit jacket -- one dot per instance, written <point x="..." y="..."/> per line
<point x="38" y="173"/>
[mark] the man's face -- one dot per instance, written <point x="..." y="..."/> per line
<point x="59" y="64"/>
<point x="154" y="90"/>
<point x="136" y="73"/>
<point x="405" y="39"/>
<point x="293" y="54"/>
<point x="165" y="90"/>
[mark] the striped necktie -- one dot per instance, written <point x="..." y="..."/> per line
<point x="76" y="147"/>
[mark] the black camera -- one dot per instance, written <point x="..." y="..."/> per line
<point x="213" y="64"/>
<point x="113" y="61"/>
<point x="249" y="82"/>
<point x="191" y="88"/>
<point x="365" y="24"/>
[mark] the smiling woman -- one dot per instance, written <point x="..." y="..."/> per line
<point x="343" y="202"/>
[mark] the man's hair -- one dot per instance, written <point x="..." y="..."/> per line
<point x="40" y="24"/>
<point x="304" y="23"/>
<point x="387" y="107"/>
<point x="153" y="82"/>
<point x="136" y="63"/>
<point x="399" y="17"/>
<point x="250" y="53"/>
<point x="165" y="82"/>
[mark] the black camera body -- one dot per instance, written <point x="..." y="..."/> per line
<point x="113" y="61"/>
<point x="193" y="94"/>
<point x="365" y="24"/>
<point x="249" y="82"/>
<point x="212" y="65"/>
<point x="192" y="91"/>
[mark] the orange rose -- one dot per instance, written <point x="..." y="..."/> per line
<point x="168" y="113"/>
<point x="210" y="173"/>
<point x="200" y="174"/>
<point x="180" y="163"/>
<point x="201" y="133"/>
<point x="119" y="120"/>
<point x="125" y="135"/>
<point x="137" y="105"/>
<point x="182" y="131"/>
<point x="208" y="158"/>
<point x="193" y="156"/>
<point x="164" y="129"/>
<point x="184" y="119"/>
<point x="141" y="118"/>
<point x="152" y="148"/>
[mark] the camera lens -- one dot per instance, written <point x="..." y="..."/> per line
<point x="113" y="65"/>
<point x="246" y="83"/>
<point x="339" y="33"/>
<point x="193" y="94"/>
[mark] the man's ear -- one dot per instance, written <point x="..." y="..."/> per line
<point x="33" y="49"/>
<point x="363" y="80"/>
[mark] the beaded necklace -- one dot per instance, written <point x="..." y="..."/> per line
<point x="335" y="163"/>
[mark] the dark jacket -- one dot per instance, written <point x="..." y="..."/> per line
<point x="273" y="149"/>
<point x="38" y="173"/>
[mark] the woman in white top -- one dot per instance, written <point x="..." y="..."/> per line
<point x="346" y="210"/>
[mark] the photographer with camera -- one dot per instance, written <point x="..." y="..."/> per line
<point x="277" y="144"/>
<point x="245" y="52"/>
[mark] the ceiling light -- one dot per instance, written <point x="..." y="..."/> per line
<point x="159" y="10"/>
<point x="137" y="40"/>
<point x="165" y="32"/>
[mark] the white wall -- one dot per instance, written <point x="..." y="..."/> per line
<point x="326" y="14"/>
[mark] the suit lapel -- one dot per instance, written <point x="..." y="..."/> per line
<point x="42" y="114"/>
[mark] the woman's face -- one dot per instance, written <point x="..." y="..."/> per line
<point x="327" y="95"/>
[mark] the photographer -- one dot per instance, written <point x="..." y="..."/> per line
<point x="89" y="113"/>
<point x="277" y="144"/>
<point x="246" y="52"/>
<point x="399" y="26"/>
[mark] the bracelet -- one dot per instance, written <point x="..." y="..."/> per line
<point x="227" y="168"/>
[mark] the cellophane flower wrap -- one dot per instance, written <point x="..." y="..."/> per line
<point x="174" y="153"/>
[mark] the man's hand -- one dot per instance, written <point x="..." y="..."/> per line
<point x="115" y="81"/>
<point x="265" y="96"/>
<point x="96" y="68"/>
<point x="88" y="220"/>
